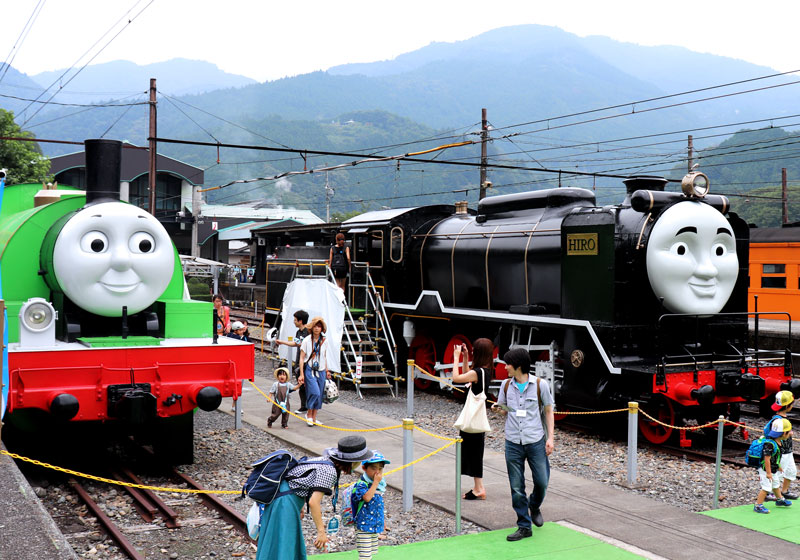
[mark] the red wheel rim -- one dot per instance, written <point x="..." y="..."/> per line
<point x="423" y="352"/>
<point x="663" y="411"/>
<point x="449" y="350"/>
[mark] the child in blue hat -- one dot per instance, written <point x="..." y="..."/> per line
<point x="367" y="503"/>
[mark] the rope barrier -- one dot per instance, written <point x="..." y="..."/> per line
<point x="266" y="396"/>
<point x="450" y="441"/>
<point x="116" y="482"/>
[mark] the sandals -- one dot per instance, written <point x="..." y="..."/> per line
<point x="472" y="496"/>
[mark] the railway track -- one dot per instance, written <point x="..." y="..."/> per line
<point x="132" y="522"/>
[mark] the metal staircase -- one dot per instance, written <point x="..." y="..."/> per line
<point x="367" y="338"/>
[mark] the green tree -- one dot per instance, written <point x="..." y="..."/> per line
<point x="23" y="160"/>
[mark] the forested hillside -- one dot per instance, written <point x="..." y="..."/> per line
<point x="554" y="101"/>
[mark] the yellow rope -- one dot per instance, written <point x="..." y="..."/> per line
<point x="266" y="396"/>
<point x="117" y="482"/>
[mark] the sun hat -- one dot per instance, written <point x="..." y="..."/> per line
<point x="316" y="320"/>
<point x="236" y="325"/>
<point x="281" y="370"/>
<point x="778" y="427"/>
<point x="350" y="449"/>
<point x="782" y="398"/>
<point x="377" y="457"/>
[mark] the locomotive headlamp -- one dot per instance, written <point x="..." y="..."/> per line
<point x="37" y="320"/>
<point x="695" y="184"/>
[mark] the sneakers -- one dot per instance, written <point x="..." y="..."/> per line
<point x="790" y="495"/>
<point x="784" y="502"/>
<point x="759" y="508"/>
<point x="269" y="424"/>
<point x="320" y="423"/>
<point x="301" y="411"/>
<point x="519" y="534"/>
<point x="310" y="422"/>
<point x="770" y="497"/>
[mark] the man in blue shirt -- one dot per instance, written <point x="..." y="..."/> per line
<point x="527" y="438"/>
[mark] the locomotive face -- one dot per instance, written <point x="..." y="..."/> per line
<point x="691" y="258"/>
<point x="113" y="254"/>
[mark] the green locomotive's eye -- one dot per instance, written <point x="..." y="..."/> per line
<point x="94" y="242"/>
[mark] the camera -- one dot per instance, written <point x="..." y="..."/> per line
<point x="315" y="365"/>
<point x="3" y="173"/>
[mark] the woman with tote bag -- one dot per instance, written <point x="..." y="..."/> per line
<point x="473" y="422"/>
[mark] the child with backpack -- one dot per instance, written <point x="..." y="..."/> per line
<point x="366" y="500"/>
<point x="766" y="451"/>
<point x="784" y="401"/>
<point x="280" y="394"/>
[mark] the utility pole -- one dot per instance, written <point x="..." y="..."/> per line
<point x="690" y="159"/>
<point x="484" y="138"/>
<point x="153" y="136"/>
<point x="328" y="193"/>
<point x="196" y="221"/>
<point x="784" y="197"/>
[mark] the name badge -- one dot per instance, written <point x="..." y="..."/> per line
<point x="521" y="413"/>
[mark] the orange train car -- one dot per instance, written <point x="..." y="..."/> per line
<point x="775" y="271"/>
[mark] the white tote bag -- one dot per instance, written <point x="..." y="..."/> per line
<point x="473" y="418"/>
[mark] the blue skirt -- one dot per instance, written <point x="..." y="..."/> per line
<point x="281" y="534"/>
<point x="315" y="388"/>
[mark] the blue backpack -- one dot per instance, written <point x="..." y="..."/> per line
<point x="353" y="507"/>
<point x="264" y="482"/>
<point x="755" y="453"/>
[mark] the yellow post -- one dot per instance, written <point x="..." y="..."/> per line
<point x="408" y="457"/>
<point x="633" y="432"/>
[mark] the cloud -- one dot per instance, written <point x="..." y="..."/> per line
<point x="283" y="184"/>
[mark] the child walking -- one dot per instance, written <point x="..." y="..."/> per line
<point x="280" y="394"/>
<point x="779" y="430"/>
<point x="784" y="401"/>
<point x="367" y="503"/>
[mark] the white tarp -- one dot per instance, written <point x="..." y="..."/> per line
<point x="318" y="297"/>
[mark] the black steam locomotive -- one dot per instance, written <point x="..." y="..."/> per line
<point x="644" y="300"/>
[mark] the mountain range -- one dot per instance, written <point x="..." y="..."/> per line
<point x="521" y="74"/>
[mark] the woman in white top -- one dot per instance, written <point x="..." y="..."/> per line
<point x="314" y="367"/>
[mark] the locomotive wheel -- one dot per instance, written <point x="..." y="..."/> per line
<point x="732" y="412"/>
<point x="173" y="441"/>
<point x="662" y="410"/>
<point x="423" y="352"/>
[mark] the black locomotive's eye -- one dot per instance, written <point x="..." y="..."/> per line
<point x="681" y="249"/>
<point x="720" y="251"/>
<point x="141" y="242"/>
<point x="94" y="242"/>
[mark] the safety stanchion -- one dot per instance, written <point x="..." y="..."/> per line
<point x="633" y="433"/>
<point x="410" y="390"/>
<point x="458" y="487"/>
<point x="237" y="414"/>
<point x="408" y="456"/>
<point x="719" y="461"/>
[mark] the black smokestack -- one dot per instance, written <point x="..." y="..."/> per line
<point x="103" y="161"/>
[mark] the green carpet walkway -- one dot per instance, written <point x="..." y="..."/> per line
<point x="551" y="541"/>
<point x="780" y="522"/>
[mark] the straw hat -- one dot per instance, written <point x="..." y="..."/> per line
<point x="316" y="320"/>
<point x="280" y="370"/>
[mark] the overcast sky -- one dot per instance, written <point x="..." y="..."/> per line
<point x="267" y="40"/>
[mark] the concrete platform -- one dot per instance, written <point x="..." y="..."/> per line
<point x="654" y="529"/>
<point x="27" y="532"/>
